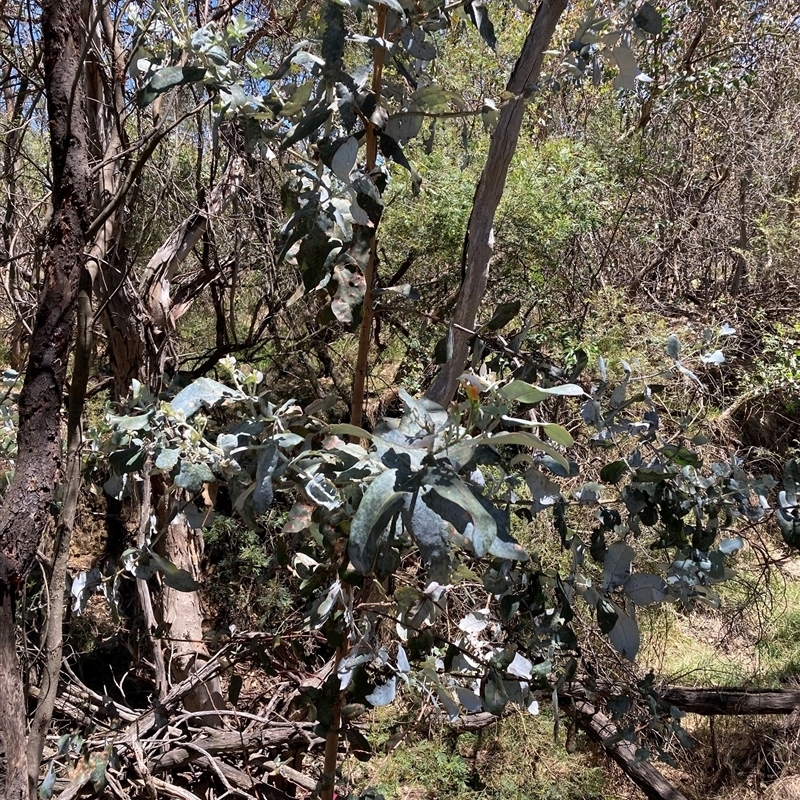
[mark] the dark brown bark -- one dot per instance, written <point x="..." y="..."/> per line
<point x="733" y="701"/>
<point x="478" y="244"/>
<point x="25" y="512"/>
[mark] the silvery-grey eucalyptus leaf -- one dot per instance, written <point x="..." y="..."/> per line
<point x="617" y="565"/>
<point x="645" y="589"/>
<point x="203" y="392"/>
<point x="263" y="493"/>
<point x="376" y="509"/>
<point x="384" y="694"/>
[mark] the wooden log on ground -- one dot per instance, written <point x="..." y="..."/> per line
<point x="642" y="773"/>
<point x="733" y="701"/>
<point x="219" y="742"/>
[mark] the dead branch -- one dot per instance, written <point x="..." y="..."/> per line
<point x="642" y="773"/>
<point x="733" y="701"/>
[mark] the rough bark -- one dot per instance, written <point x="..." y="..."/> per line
<point x="57" y="580"/>
<point x="654" y="785"/>
<point x="479" y="238"/>
<point x="25" y="512"/>
<point x="733" y="701"/>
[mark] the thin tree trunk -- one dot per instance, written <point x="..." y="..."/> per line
<point x="25" y="512"/>
<point x="479" y="239"/>
<point x="54" y="639"/>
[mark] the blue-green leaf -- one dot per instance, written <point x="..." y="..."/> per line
<point x="377" y="507"/>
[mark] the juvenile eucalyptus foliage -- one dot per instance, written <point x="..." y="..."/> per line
<point x="317" y="105"/>
<point x="450" y="488"/>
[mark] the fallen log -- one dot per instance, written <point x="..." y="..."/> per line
<point x="219" y="742"/>
<point x="733" y="701"/>
<point x="642" y="773"/>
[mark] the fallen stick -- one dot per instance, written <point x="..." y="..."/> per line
<point x="642" y="773"/>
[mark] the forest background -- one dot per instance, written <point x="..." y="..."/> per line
<point x="399" y="399"/>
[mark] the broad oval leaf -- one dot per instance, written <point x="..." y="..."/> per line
<point x="525" y="439"/>
<point x="625" y="635"/>
<point x="383" y="695"/>
<point x="617" y="565"/>
<point x="482" y="531"/>
<point x="165" y="79"/>
<point x="203" y="392"/>
<point x="192" y="476"/>
<point x="344" y="159"/>
<point x="167" y="459"/>
<point x="558" y="434"/>
<point x="645" y="590"/>
<point x="377" y="507"/>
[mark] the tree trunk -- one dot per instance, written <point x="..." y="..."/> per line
<point x="479" y="240"/>
<point x="182" y="613"/>
<point x="25" y="512"/>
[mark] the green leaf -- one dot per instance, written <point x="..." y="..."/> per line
<point x="648" y="19"/>
<point x="298" y="101"/>
<point x="524" y="439"/>
<point x="525" y="393"/>
<point x="413" y="39"/>
<point x="307" y="125"/>
<point x="431" y="534"/>
<point x="165" y="79"/>
<point x="495" y="697"/>
<point x="625" y="634"/>
<point x="128" y="460"/>
<point x="613" y="472"/>
<point x="503" y="314"/>
<point x="558" y="434"/>
<point x="606" y="615"/>
<point x="682" y="456"/>
<point x="174" y="577"/>
<point x="344" y="159"/>
<point x="377" y="507"/>
<point x="133" y="423"/>
<point x="453" y="490"/>
<point x="167" y="459"/>
<point x="345" y="429"/>
<point x="192" y="476"/>
<point x="263" y="494"/>
<point x="645" y="589"/>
